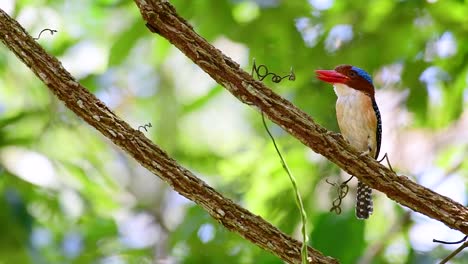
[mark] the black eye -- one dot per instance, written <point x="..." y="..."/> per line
<point x="352" y="74"/>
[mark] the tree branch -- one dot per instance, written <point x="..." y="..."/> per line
<point x="163" y="20"/>
<point x="98" y="115"/>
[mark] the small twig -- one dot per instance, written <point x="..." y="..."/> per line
<point x="52" y="31"/>
<point x="274" y="77"/>
<point x="388" y="161"/>
<point x="450" y="243"/>
<point x="342" y="191"/>
<point x="346" y="182"/>
<point x="145" y="126"/>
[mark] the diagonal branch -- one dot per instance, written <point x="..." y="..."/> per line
<point x="94" y="112"/>
<point x="162" y="19"/>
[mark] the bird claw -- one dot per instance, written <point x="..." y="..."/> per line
<point x="365" y="153"/>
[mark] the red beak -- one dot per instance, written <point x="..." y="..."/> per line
<point x="331" y="76"/>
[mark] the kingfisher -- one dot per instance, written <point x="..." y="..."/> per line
<point x="358" y="119"/>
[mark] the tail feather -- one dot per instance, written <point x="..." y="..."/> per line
<point x="364" y="205"/>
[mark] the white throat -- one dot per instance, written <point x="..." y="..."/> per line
<point x="343" y="90"/>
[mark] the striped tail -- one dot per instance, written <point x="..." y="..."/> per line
<point x="364" y="205"/>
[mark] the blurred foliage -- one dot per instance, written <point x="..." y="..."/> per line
<point x="69" y="196"/>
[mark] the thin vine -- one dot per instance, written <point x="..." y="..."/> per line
<point x="261" y="73"/>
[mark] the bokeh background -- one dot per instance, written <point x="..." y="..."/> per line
<point x="68" y="195"/>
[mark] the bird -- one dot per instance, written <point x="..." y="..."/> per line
<point x="358" y="118"/>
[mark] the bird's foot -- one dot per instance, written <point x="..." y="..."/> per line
<point x="365" y="153"/>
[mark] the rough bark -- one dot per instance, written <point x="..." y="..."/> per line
<point x="95" y="113"/>
<point x="163" y="20"/>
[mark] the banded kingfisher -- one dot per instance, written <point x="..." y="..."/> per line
<point x="358" y="119"/>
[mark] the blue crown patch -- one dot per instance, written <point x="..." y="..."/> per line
<point x="362" y="73"/>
